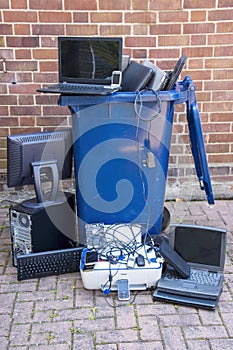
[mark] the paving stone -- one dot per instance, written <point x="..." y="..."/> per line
<point x="58" y="313"/>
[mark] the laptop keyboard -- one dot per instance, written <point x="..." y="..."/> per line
<point x="197" y="276"/>
<point x="205" y="278"/>
<point x="77" y="87"/>
<point x="48" y="263"/>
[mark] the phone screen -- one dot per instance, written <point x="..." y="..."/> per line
<point x="123" y="289"/>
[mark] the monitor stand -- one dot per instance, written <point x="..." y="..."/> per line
<point x="45" y="171"/>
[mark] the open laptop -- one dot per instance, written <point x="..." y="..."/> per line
<point x="88" y="65"/>
<point x="203" y="248"/>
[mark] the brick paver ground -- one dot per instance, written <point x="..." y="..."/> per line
<point x="58" y="313"/>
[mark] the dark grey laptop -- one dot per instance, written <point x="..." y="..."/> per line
<point x="88" y="66"/>
<point x="203" y="248"/>
<point x="185" y="300"/>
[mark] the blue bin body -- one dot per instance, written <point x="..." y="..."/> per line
<point x="121" y="148"/>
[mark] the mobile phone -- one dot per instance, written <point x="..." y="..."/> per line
<point x="123" y="289"/>
<point x="116" y="78"/>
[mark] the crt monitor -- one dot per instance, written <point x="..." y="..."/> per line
<point x="37" y="158"/>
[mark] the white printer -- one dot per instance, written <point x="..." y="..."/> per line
<point x="102" y="269"/>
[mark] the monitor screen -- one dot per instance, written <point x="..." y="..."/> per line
<point x="39" y="157"/>
<point x="88" y="60"/>
<point x="200" y="245"/>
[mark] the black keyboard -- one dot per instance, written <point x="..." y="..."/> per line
<point x="69" y="88"/>
<point x="55" y="262"/>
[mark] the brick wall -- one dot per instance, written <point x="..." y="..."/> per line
<point x="158" y="30"/>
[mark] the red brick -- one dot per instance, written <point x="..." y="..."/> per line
<point x="5" y="4"/>
<point x="198" y="51"/>
<point x="50" y="121"/>
<point x="198" y="16"/>
<point x="220" y="15"/>
<point x="219" y="63"/>
<point x="22" y="89"/>
<point x="137" y="53"/>
<point x="224" y="3"/>
<point x="4" y="132"/>
<point x="54" y="17"/>
<point x="24" y="77"/>
<point x="202" y="95"/>
<point x="4" y="112"/>
<point x="217" y="148"/>
<point x="197" y="63"/>
<point x="8" y="121"/>
<point x="106" y="17"/>
<point x="112" y="30"/>
<point x="21" y="66"/>
<point x="223" y="74"/>
<point x="81" y="5"/>
<point x="225" y="27"/>
<point x="6" y="54"/>
<point x="76" y="29"/>
<point x="26" y="99"/>
<point x="162" y="53"/>
<point x="198" y="40"/>
<point x="173" y="16"/>
<point x="223" y="51"/>
<point x="23" y="54"/>
<point x="221" y="117"/>
<point x="20" y="130"/>
<point x="45" y="53"/>
<point x="46" y="99"/>
<point x="140" y="41"/>
<point x="8" y="100"/>
<point x="216" y="127"/>
<point x="80" y="17"/>
<point x="55" y="110"/>
<point x="45" y="5"/>
<point x="48" y="29"/>
<point x="223" y="95"/>
<point x="27" y="121"/>
<point x="140" y="5"/>
<point x="218" y="106"/>
<point x="3" y="89"/>
<point x="140" y="17"/>
<point x="173" y="40"/>
<point x="22" y="29"/>
<point x="48" y="66"/>
<point x="140" y="29"/>
<point x="163" y="29"/>
<point x="49" y="41"/>
<point x="114" y="5"/>
<point x="165" y="4"/>
<point x="19" y="41"/>
<point x="6" y="29"/>
<point x="19" y="4"/>
<point x="196" y="28"/>
<point x="189" y="4"/>
<point x="219" y="39"/>
<point x="20" y="16"/>
<point x="220" y="158"/>
<point x="51" y="77"/>
<point x="25" y="110"/>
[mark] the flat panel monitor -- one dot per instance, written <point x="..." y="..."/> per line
<point x="37" y="158"/>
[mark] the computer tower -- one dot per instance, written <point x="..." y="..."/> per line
<point x="43" y="228"/>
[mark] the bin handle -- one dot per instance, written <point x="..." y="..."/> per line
<point x="197" y="143"/>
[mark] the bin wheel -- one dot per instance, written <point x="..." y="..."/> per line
<point x="165" y="218"/>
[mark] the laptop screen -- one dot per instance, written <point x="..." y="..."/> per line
<point x="88" y="60"/>
<point x="200" y="246"/>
